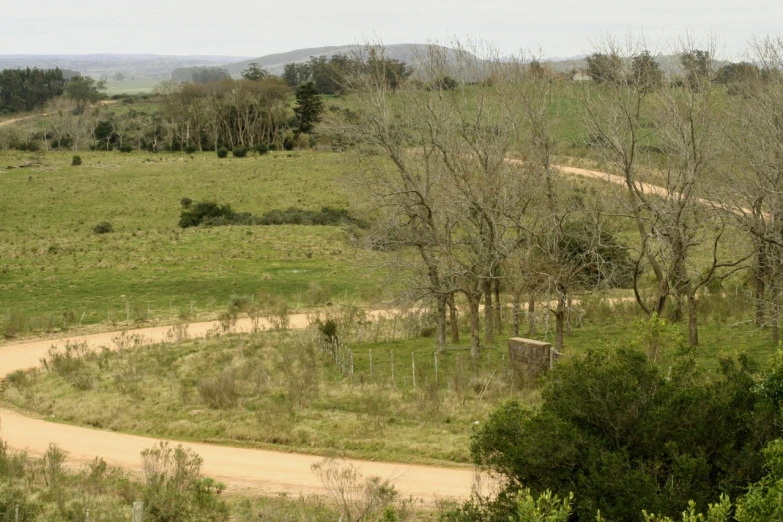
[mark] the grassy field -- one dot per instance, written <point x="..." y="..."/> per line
<point x="52" y="264"/>
<point x="130" y="87"/>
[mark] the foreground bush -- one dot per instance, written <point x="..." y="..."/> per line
<point x="626" y="435"/>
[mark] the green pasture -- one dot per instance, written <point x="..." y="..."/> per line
<point x="52" y="264"/>
<point x="130" y="86"/>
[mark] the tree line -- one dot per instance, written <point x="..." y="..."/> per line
<point x="29" y="89"/>
<point x="462" y="179"/>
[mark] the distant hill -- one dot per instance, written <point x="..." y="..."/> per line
<point x="131" y="66"/>
<point x="275" y="63"/>
<point x="160" y="67"/>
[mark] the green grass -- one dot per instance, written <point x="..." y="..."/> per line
<point x="130" y="87"/>
<point x="51" y="262"/>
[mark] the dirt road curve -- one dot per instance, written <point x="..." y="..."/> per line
<point x="242" y="470"/>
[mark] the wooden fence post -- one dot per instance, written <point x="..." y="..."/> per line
<point x="413" y="369"/>
<point x="138" y="511"/>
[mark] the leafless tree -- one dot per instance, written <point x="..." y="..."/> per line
<point x="753" y="188"/>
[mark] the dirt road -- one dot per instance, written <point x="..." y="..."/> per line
<point x="242" y="470"/>
<point x="21" y="118"/>
<point x="247" y="470"/>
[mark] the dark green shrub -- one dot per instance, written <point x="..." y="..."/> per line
<point x="624" y="434"/>
<point x="104" y="227"/>
<point x="186" y="202"/>
<point x="222" y="152"/>
<point x="273" y="147"/>
<point x="76" y="161"/>
<point x="329" y="330"/>
<point x="288" y="143"/>
<point x="261" y="148"/>
<point x="126" y="149"/>
<point x="240" y="151"/>
<point x="190" y="149"/>
<point x="204" y="211"/>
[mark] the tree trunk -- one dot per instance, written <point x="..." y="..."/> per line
<point x="515" y="315"/>
<point x="693" y="326"/>
<point x="775" y="331"/>
<point x="560" y="320"/>
<point x="531" y="317"/>
<point x="489" y="327"/>
<point x="453" y="319"/>
<point x="441" y="322"/>
<point x="498" y="309"/>
<point x="569" y="333"/>
<point x="475" y="342"/>
<point x="758" y="276"/>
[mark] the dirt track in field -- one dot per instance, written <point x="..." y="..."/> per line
<point x="243" y="470"/>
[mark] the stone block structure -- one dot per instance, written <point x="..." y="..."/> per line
<point x="531" y="357"/>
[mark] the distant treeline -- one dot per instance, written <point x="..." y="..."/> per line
<point x="201" y="75"/>
<point x="326" y="73"/>
<point x="29" y="89"/>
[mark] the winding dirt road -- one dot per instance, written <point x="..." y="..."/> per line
<point x="242" y="470"/>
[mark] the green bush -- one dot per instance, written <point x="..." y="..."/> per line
<point x="204" y="211"/>
<point x="104" y="227"/>
<point x="76" y="161"/>
<point x="626" y="435"/>
<point x="273" y="147"/>
<point x="240" y="151"/>
<point x="261" y="148"/>
<point x="190" y="149"/>
<point x="127" y="149"/>
<point x="222" y="152"/>
<point x="288" y="143"/>
<point x="213" y="214"/>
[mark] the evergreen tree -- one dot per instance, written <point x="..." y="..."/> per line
<point x="309" y="107"/>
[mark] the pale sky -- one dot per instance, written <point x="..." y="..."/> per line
<point x="252" y="28"/>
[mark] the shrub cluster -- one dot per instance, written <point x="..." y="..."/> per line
<point x="210" y="213"/>
<point x="624" y="435"/>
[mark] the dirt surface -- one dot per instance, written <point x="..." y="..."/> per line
<point x="242" y="470"/>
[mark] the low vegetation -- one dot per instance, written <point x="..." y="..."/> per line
<point x="52" y="489"/>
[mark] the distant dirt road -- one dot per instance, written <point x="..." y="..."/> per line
<point x="247" y="471"/>
<point x="14" y="120"/>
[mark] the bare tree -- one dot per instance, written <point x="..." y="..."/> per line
<point x="442" y="175"/>
<point x="753" y="188"/>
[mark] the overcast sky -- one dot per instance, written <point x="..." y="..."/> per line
<point x="251" y="28"/>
